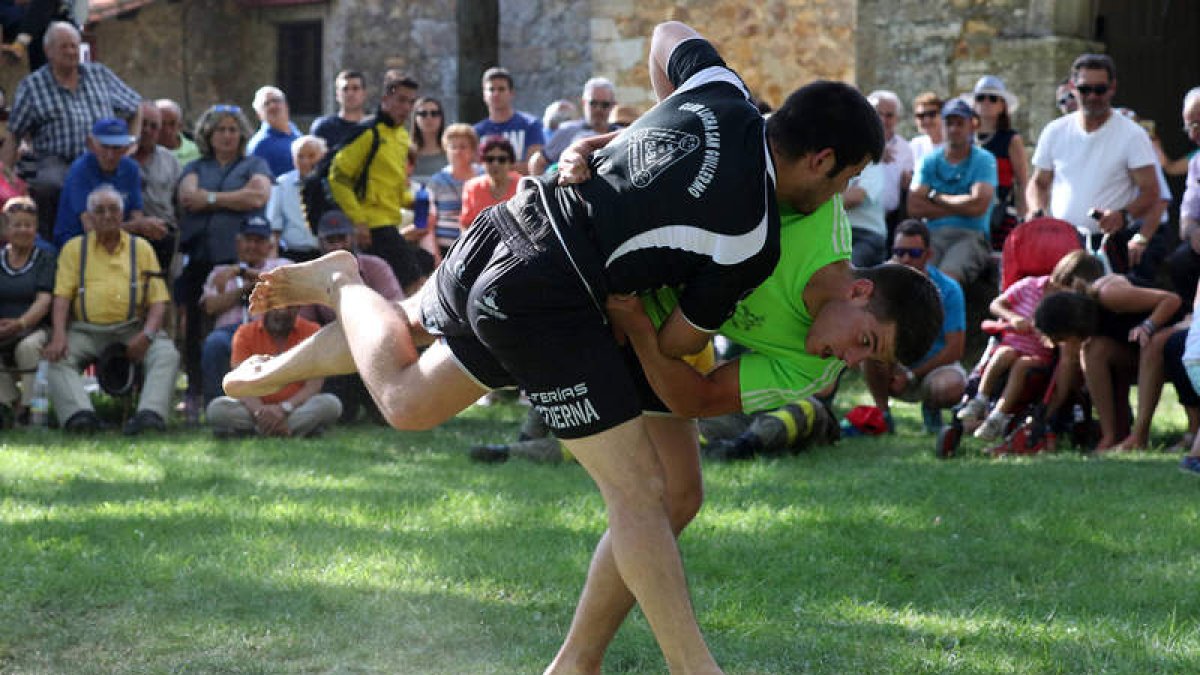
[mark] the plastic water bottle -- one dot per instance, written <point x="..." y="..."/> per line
<point x="421" y="208"/>
<point x="39" y="404"/>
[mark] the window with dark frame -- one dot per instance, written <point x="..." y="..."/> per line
<point x="299" y="65"/>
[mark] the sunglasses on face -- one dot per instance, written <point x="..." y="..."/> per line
<point x="990" y="98"/>
<point x="496" y="159"/>
<point x="603" y="105"/>
<point x="226" y="108"/>
<point x="927" y="115"/>
<point x="1089" y="89"/>
<point x="428" y="113"/>
<point x="1064" y="101"/>
<point x="21" y="208"/>
<point x="901" y="252"/>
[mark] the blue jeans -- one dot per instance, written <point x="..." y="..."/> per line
<point x="214" y="360"/>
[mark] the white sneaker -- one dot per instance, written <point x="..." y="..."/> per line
<point x="974" y="410"/>
<point x="993" y="427"/>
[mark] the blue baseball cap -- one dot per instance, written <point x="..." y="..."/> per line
<point x="256" y="225"/>
<point x="112" y="131"/>
<point x="957" y="107"/>
<point x="334" y="223"/>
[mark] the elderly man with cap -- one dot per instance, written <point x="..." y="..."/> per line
<point x="952" y="190"/>
<point x="335" y="232"/>
<point x="225" y="297"/>
<point x="105" y="163"/>
<point x="299" y="409"/>
<point x="109" y="289"/>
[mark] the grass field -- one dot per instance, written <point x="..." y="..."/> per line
<point x="371" y="550"/>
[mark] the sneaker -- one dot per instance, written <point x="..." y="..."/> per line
<point x="1190" y="465"/>
<point x="144" y="420"/>
<point x="992" y="427"/>
<point x="489" y="454"/>
<point x="973" y="411"/>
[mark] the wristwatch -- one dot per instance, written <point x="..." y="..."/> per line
<point x="211" y="198"/>
<point x="287" y="407"/>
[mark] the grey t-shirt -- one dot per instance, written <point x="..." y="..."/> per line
<point x="209" y="236"/>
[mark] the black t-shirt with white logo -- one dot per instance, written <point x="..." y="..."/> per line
<point x="685" y="196"/>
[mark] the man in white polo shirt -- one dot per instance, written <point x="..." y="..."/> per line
<point x="1095" y="169"/>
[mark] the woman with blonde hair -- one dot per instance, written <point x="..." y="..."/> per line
<point x="446" y="186"/>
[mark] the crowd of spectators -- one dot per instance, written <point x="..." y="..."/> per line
<point x="169" y="224"/>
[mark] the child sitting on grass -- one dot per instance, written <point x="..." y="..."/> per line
<point x="1021" y="350"/>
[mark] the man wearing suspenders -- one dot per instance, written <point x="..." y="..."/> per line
<point x="110" y="285"/>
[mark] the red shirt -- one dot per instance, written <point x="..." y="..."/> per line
<point x="477" y="196"/>
<point x="252" y="338"/>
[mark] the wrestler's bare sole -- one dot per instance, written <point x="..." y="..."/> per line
<point x="308" y="283"/>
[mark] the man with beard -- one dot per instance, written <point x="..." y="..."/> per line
<point x="299" y="409"/>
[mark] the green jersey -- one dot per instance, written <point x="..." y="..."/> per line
<point x="773" y="320"/>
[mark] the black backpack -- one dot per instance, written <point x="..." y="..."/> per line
<point x="314" y="191"/>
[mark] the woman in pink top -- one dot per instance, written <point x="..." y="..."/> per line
<point x="493" y="187"/>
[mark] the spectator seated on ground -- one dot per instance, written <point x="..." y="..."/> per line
<point x="299" y="409"/>
<point x="26" y="282"/>
<point x="938" y="380"/>
<point x="104" y="163"/>
<point x="336" y="233"/>
<point x="226" y="296"/>
<point x="108" y="290"/>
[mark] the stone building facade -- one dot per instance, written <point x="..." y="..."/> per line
<point x="201" y="51"/>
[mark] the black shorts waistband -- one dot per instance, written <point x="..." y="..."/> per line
<point x="536" y="209"/>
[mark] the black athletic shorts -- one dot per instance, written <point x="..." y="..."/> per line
<point x="514" y="310"/>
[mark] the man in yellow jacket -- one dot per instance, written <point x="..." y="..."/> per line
<point x="376" y="211"/>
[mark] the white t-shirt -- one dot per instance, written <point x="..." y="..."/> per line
<point x="922" y="145"/>
<point x="1191" y="350"/>
<point x="902" y="160"/>
<point x="868" y="215"/>
<point x="1091" y="170"/>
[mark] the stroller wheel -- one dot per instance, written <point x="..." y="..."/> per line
<point x="947" y="441"/>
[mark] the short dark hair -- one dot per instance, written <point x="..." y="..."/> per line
<point x="902" y="292"/>
<point x="397" y="78"/>
<point x="826" y="114"/>
<point x="1095" y="62"/>
<point x="1067" y="315"/>
<point x="351" y="75"/>
<point x="496" y="72"/>
<point x="495" y="141"/>
<point x="912" y="227"/>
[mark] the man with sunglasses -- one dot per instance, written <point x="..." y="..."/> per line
<point x="599" y="98"/>
<point x="1095" y="169"/>
<point x="937" y="380"/>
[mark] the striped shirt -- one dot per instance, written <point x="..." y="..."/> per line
<point x="1023" y="298"/>
<point x="59" y="119"/>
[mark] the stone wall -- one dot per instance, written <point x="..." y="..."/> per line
<point x="775" y="45"/>
<point x="910" y="46"/>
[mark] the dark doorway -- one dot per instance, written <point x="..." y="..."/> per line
<point x="1154" y="45"/>
<point x="478" y="50"/>
<point x="299" y="66"/>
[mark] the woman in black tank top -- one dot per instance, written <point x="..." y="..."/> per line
<point x="994" y="104"/>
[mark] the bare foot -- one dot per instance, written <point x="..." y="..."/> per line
<point x="1106" y="444"/>
<point x="309" y="283"/>
<point x="252" y="377"/>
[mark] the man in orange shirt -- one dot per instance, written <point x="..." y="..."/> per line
<point x="299" y="409"/>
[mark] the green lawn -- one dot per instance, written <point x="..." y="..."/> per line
<point x="377" y="551"/>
